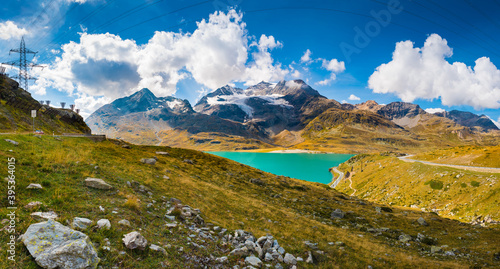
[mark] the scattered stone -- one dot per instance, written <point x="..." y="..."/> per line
<point x="151" y="161"/>
<point x="125" y="146"/>
<point x="253" y="261"/>
<point x="268" y="257"/>
<point x="309" y="257"/>
<point x="103" y="224"/>
<point x="32" y="205"/>
<point x="54" y="245"/>
<point x="124" y="222"/>
<point x="12" y="142"/>
<point x="378" y="209"/>
<point x="188" y="161"/>
<point x="339" y="243"/>
<point x="34" y="186"/>
<point x="158" y="249"/>
<point x="290" y="259"/>
<point x="101" y="208"/>
<point x="81" y="223"/>
<point x="97" y="183"/>
<point x="162" y="153"/>
<point x="404" y="238"/>
<point x="222" y="259"/>
<point x="299" y="259"/>
<point x="449" y="253"/>
<point x="46" y="215"/>
<point x="422" y="222"/>
<point x="337" y="214"/>
<point x="435" y="249"/>
<point x="135" y="240"/>
<point x="171" y="225"/>
<point x="257" y="181"/>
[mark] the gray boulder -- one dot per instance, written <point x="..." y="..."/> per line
<point x="12" y="142"/>
<point x="97" y="183"/>
<point x="135" y="240"/>
<point x="422" y="222"/>
<point x="32" y="205"/>
<point x="156" y="248"/>
<point x="151" y="161"/>
<point x="81" y="223"/>
<point x="54" y="245"/>
<point x="337" y="214"/>
<point x="124" y="222"/>
<point x="253" y="261"/>
<point x="290" y="259"/>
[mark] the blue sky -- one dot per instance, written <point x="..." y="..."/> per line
<point x="96" y="51"/>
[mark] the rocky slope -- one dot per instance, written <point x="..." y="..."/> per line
<point x="15" y="113"/>
<point x="469" y="119"/>
<point x="131" y="206"/>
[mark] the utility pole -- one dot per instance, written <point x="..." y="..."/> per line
<point x="23" y="64"/>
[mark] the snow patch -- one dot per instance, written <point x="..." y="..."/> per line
<point x="173" y="104"/>
<point x="241" y="99"/>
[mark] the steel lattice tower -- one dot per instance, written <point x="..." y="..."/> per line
<point x="23" y="64"/>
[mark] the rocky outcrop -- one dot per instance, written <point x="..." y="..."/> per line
<point x="396" y="110"/>
<point x="54" y="245"/>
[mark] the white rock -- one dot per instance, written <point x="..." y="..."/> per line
<point x="290" y="259"/>
<point x="158" y="249"/>
<point x="32" y="205"/>
<point x="97" y="183"/>
<point x="45" y="215"/>
<point x="12" y="142"/>
<point x="103" y="224"/>
<point x="34" y="186"/>
<point x="135" y="240"/>
<point x="101" y="208"/>
<point x="124" y="222"/>
<point x="54" y="245"/>
<point x="81" y="223"/>
<point x="253" y="261"/>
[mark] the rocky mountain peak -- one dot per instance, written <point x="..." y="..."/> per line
<point x="397" y="110"/>
<point x="369" y="105"/>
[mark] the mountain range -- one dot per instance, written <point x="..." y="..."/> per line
<point x="284" y="114"/>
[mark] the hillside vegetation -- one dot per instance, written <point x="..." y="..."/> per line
<point x="231" y="196"/>
<point x="15" y="113"/>
<point x="451" y="192"/>
<point x="464" y="155"/>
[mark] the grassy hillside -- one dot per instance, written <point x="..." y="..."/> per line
<point x="15" y="113"/>
<point x="229" y="195"/>
<point x="464" y="155"/>
<point x="453" y="193"/>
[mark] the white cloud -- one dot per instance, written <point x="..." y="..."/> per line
<point x="353" y="97"/>
<point x="335" y="67"/>
<point x="105" y="67"/>
<point x="306" y="58"/>
<point x="424" y="73"/>
<point x="296" y="74"/>
<point x="9" y="30"/>
<point x="434" y="110"/>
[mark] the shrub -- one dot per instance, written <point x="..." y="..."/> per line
<point x="474" y="183"/>
<point x="463" y="185"/>
<point x="436" y="185"/>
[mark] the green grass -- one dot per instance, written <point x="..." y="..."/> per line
<point x="291" y="210"/>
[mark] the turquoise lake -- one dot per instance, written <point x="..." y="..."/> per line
<point x="305" y="166"/>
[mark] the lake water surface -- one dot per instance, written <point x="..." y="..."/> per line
<point x="305" y="166"/>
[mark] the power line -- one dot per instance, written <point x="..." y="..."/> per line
<point x="444" y="27"/>
<point x="482" y="13"/>
<point x="163" y="15"/>
<point x="23" y="64"/>
<point x="126" y="14"/>
<point x="454" y="22"/>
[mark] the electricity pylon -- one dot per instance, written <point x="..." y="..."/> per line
<point x="23" y="64"/>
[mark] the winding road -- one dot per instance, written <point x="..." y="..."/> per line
<point x="337" y="181"/>
<point x="465" y="167"/>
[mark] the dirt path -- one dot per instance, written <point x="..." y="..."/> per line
<point x="350" y="185"/>
<point x="465" y="167"/>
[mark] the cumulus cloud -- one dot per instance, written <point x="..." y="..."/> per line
<point x="103" y="67"/>
<point x="353" y="97"/>
<point x="306" y="58"/>
<point x="434" y="110"/>
<point x="335" y="67"/>
<point x="424" y="73"/>
<point x="9" y="30"/>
